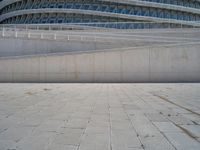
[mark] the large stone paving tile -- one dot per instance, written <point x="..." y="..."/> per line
<point x="193" y="130"/>
<point x="182" y="141"/>
<point x="167" y="127"/>
<point x="69" y="136"/>
<point x="124" y="139"/>
<point x="99" y="116"/>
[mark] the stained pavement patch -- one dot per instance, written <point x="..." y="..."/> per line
<point x="99" y="116"/>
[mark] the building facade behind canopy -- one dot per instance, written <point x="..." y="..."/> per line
<point x="165" y="13"/>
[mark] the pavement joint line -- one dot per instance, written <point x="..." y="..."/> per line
<point x="165" y="136"/>
<point x="167" y="100"/>
<point x="191" y="135"/>
<point x="122" y="99"/>
<point x="153" y="124"/>
<point x="110" y="126"/>
<point x="138" y="136"/>
<point x="84" y="132"/>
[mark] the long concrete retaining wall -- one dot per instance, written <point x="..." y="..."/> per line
<point x="153" y="64"/>
<point x="18" y="47"/>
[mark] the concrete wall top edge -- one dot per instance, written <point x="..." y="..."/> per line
<point x="182" y="45"/>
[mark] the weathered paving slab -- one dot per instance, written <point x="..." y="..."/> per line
<point x="99" y="116"/>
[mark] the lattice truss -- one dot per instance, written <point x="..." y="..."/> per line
<point x="87" y="11"/>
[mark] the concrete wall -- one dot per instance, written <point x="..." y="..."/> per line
<point x="18" y="47"/>
<point x="155" y="64"/>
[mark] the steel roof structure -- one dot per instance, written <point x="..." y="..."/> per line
<point x="165" y="12"/>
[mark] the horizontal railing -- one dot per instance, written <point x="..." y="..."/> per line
<point x="101" y="26"/>
<point x="31" y="34"/>
<point x="94" y="35"/>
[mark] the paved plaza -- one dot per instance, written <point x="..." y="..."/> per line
<point x="99" y="116"/>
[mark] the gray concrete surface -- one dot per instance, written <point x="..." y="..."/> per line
<point x="177" y="63"/>
<point x="99" y="116"/>
<point x="160" y="55"/>
<point x="18" y="42"/>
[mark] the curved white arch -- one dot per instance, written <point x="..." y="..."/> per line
<point x="91" y="12"/>
<point x="132" y="2"/>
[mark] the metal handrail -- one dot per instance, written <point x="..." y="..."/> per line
<point x="99" y="25"/>
<point x="75" y="36"/>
